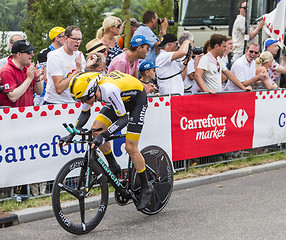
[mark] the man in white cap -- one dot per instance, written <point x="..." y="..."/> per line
<point x="271" y="45"/>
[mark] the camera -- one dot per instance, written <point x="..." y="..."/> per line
<point x="196" y="50"/>
<point x="170" y="22"/>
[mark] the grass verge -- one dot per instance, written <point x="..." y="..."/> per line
<point x="11" y="205"/>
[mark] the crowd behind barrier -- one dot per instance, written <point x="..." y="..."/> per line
<point x="156" y="132"/>
<point x="166" y="66"/>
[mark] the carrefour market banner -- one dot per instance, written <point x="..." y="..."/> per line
<point x="204" y="125"/>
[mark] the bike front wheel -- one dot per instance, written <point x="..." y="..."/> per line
<point x="160" y="175"/>
<point x="71" y="194"/>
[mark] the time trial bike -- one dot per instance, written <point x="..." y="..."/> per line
<point x="85" y="180"/>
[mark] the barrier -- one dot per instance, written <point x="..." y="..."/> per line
<point x="29" y="135"/>
<point x="184" y="126"/>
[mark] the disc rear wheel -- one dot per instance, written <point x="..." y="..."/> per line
<point x="160" y="175"/>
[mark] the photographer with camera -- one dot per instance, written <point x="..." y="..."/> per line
<point x="190" y="83"/>
<point x="171" y="72"/>
<point x="150" y="23"/>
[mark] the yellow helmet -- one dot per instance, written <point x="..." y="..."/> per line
<point x="84" y="84"/>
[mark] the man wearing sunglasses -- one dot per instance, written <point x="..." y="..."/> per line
<point x="244" y="68"/>
<point x="64" y="63"/>
<point x="238" y="31"/>
<point x="20" y="76"/>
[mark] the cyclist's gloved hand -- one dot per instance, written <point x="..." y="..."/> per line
<point x="99" y="140"/>
<point x="67" y="139"/>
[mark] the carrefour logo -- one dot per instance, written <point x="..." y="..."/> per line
<point x="239" y="118"/>
<point x="213" y="127"/>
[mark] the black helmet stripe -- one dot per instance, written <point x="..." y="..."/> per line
<point x="73" y="81"/>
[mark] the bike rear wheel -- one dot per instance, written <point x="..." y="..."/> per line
<point x="70" y="185"/>
<point x="160" y="175"/>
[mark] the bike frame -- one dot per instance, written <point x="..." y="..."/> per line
<point x="113" y="180"/>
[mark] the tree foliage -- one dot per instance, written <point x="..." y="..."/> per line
<point x="13" y="12"/>
<point x="86" y="14"/>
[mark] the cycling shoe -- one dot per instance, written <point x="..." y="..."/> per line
<point x="145" y="197"/>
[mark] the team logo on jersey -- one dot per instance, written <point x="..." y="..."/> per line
<point x="88" y="79"/>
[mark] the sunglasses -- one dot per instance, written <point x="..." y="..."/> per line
<point x="118" y="26"/>
<point x="102" y="50"/>
<point x="29" y="52"/>
<point x="75" y="39"/>
<point x="251" y="51"/>
<point x="60" y="36"/>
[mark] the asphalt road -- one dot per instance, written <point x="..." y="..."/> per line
<point x="251" y="207"/>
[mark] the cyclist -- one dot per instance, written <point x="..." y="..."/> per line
<point x="122" y="93"/>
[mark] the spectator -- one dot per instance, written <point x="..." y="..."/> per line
<point x="20" y="76"/>
<point x="64" y="63"/>
<point x="150" y="23"/>
<point x="189" y="82"/>
<point x="133" y="27"/>
<point x="170" y="73"/>
<point x="264" y="62"/>
<point x="94" y="49"/>
<point x="271" y="45"/>
<point x="95" y="63"/>
<point x="206" y="47"/>
<point x="227" y="60"/>
<point x="128" y="61"/>
<point x="210" y="67"/>
<point x="13" y="39"/>
<point x="111" y="27"/>
<point x="238" y="31"/>
<point x="148" y="73"/>
<point x="227" y="54"/>
<point x="56" y="34"/>
<point x="244" y="68"/>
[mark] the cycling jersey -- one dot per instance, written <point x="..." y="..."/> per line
<point x="123" y="93"/>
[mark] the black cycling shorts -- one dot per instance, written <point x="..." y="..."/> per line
<point x="136" y="109"/>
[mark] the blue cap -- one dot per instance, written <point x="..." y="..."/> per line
<point x="146" y="66"/>
<point x="138" y="40"/>
<point x="268" y="42"/>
